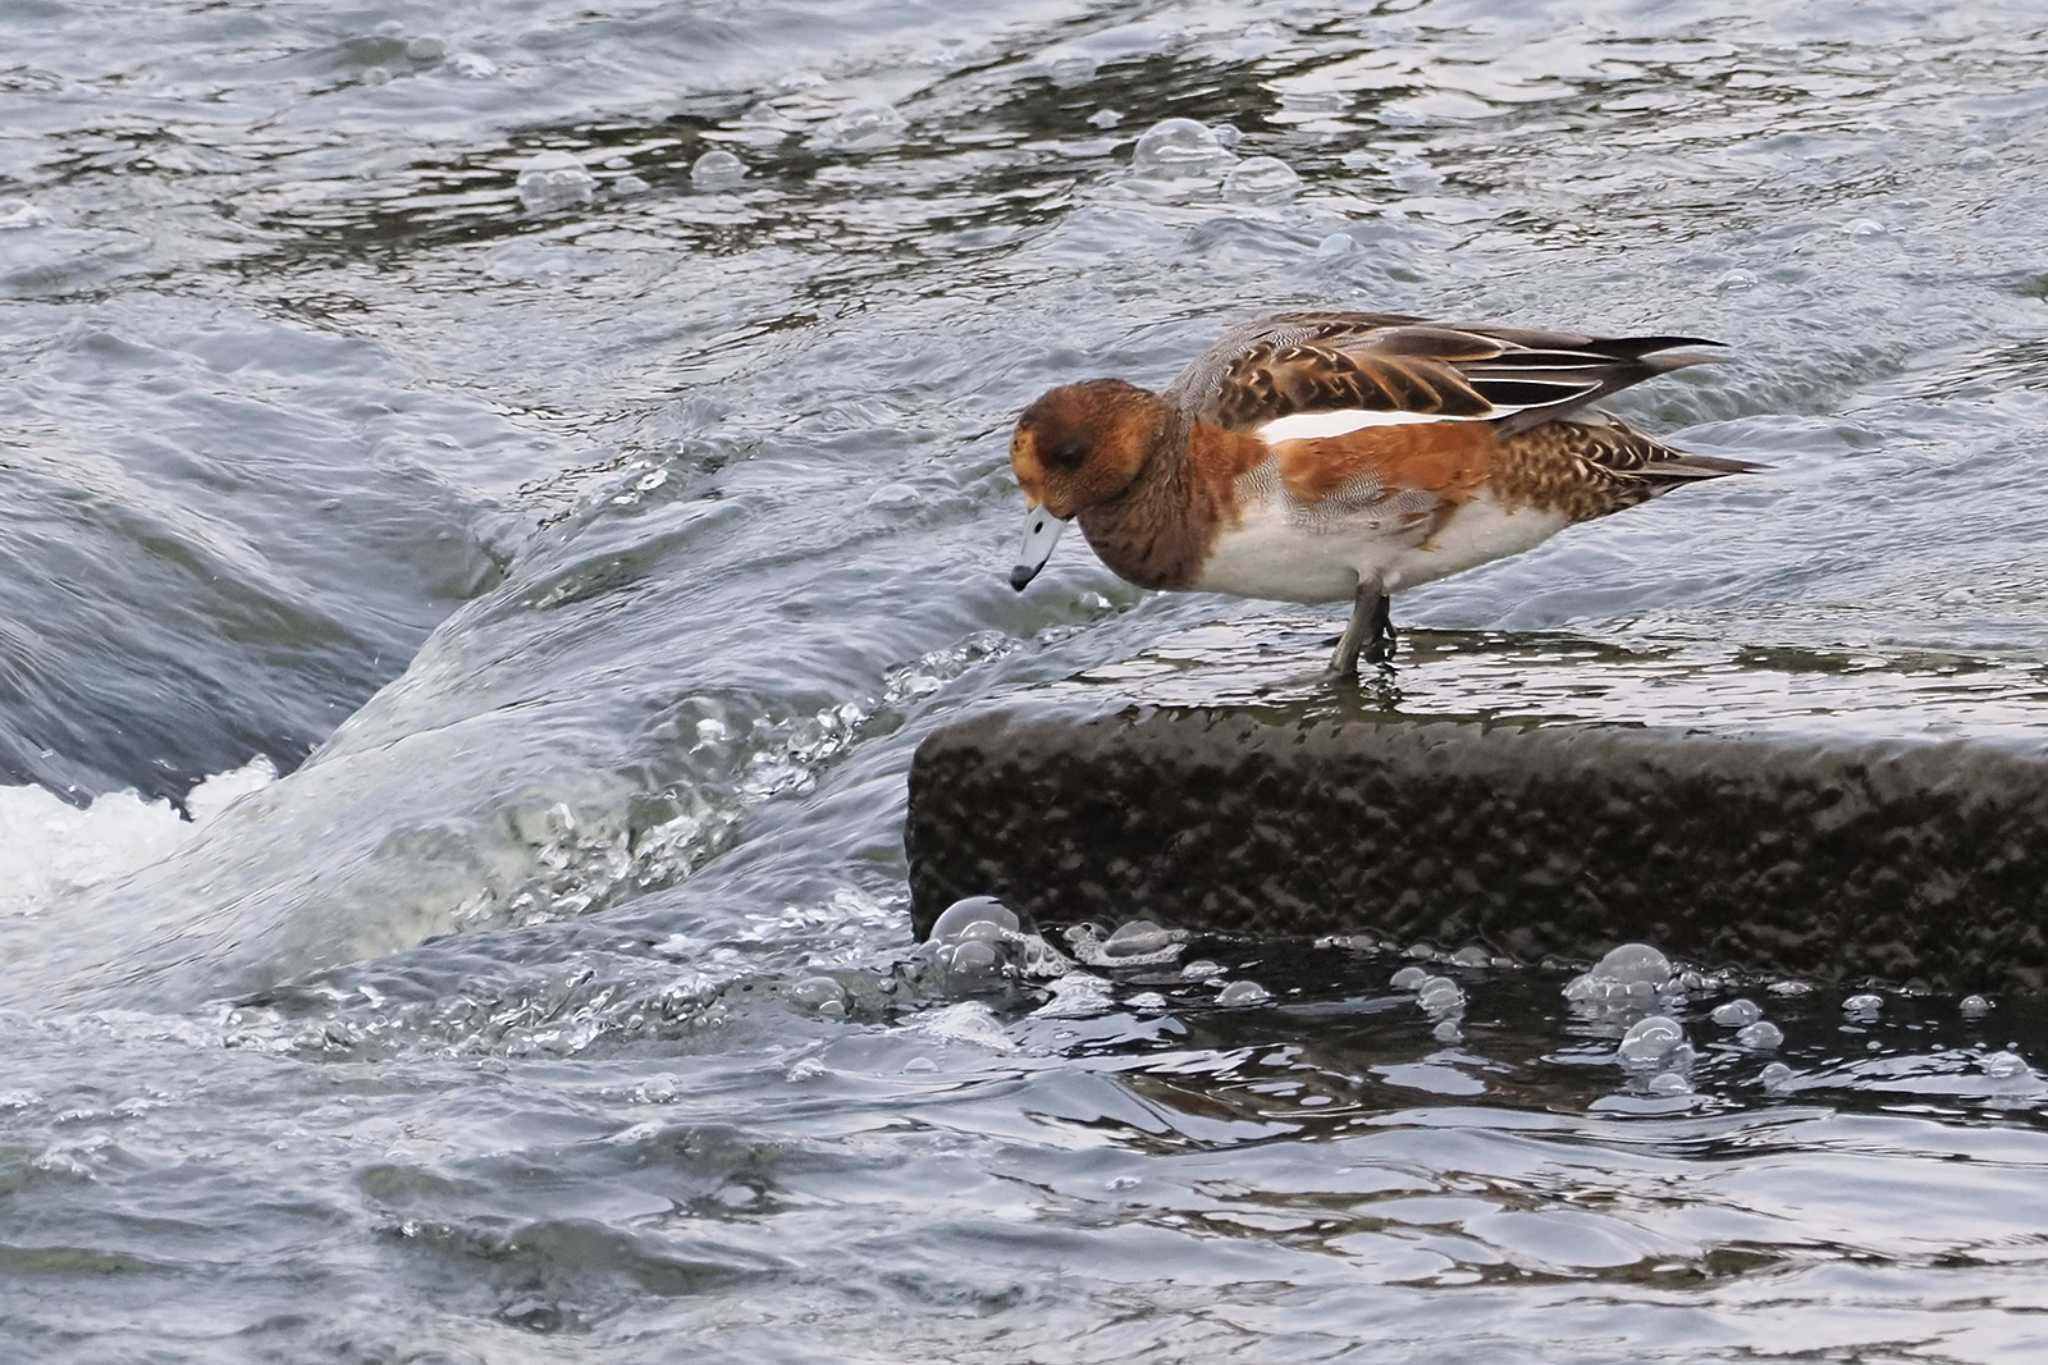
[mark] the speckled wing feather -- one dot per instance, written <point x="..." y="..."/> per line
<point x="1385" y="362"/>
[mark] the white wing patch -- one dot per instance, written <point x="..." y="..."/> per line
<point x="1306" y="426"/>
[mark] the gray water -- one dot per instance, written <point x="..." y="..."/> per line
<point x="462" y="639"/>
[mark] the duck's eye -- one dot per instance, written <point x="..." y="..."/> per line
<point x="1068" y="454"/>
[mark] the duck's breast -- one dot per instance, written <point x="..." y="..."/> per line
<point x="1289" y="549"/>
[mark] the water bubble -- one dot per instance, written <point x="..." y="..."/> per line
<point x="917" y="1065"/>
<point x="1179" y="147"/>
<point x="473" y="66"/>
<point x="1139" y="938"/>
<point x="1261" y="180"/>
<point x="1076" y="995"/>
<point x="1120" y="1183"/>
<point x="1631" y="974"/>
<point x="1732" y="280"/>
<point x="390" y="28"/>
<point x="1201" y="969"/>
<point x="1448" y="1032"/>
<point x="1649" y="1041"/>
<point x="1227" y="135"/>
<point x="17" y="214"/>
<point x="1736" y="1013"/>
<point x="1976" y="157"/>
<point x="971" y="964"/>
<point x="1863" y="227"/>
<point x="1243" y="993"/>
<point x="963" y="915"/>
<point x="1775" y="1076"/>
<point x="656" y="1090"/>
<point x="863" y="126"/>
<point x="717" y="167"/>
<point x="1147" y="1002"/>
<point x="1634" y="963"/>
<point x="2004" y="1065"/>
<point x="1789" y="988"/>
<point x="1669" y="1083"/>
<point x="1105" y="118"/>
<point x="1438" y="994"/>
<point x="1473" y="956"/>
<point x="1865" y="1005"/>
<point x="1760" y="1036"/>
<point x="1589" y="987"/>
<point x="1408" y="978"/>
<point x="1336" y="244"/>
<point x="376" y="75"/>
<point x="820" y="995"/>
<point x="1974" y="1007"/>
<point x="427" y="48"/>
<point x="554" y="179"/>
<point x="975" y="943"/>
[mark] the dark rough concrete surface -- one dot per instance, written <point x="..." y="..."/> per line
<point x="1841" y="854"/>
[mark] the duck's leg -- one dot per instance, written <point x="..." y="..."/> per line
<point x="1380" y="647"/>
<point x="1368" y="620"/>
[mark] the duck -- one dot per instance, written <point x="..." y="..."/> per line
<point x="1322" y="457"/>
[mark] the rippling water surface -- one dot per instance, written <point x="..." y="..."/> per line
<point x="473" y="571"/>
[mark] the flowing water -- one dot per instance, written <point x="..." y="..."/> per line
<point x="495" y="492"/>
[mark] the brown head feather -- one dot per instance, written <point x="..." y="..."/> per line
<point x="1084" y="444"/>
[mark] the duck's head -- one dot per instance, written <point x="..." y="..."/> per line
<point x="1076" y="447"/>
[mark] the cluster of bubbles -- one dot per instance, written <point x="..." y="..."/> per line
<point x="1656" y="1048"/>
<point x="556" y="179"/>
<point x="1637" y="978"/>
<point x="1187" y="149"/>
<point x="391" y="53"/>
<point x="1441" y="998"/>
<point x="979" y="946"/>
<point x="1635" y="974"/>
<point x="1137" y="943"/>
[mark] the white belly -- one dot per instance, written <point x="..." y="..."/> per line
<point x="1278" y="554"/>
<point x="1268" y="556"/>
<point x="1477" y="533"/>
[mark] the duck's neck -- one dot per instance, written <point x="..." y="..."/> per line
<point x="1159" y="530"/>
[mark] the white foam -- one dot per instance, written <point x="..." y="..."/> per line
<point x="50" y="850"/>
<point x="19" y="214"/>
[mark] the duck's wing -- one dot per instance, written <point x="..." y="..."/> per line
<point x="1320" y="374"/>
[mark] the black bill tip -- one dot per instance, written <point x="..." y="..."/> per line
<point x="1021" y="576"/>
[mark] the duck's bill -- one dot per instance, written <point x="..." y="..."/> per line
<point x="1041" y="532"/>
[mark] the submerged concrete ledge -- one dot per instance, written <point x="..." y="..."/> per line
<point x="1832" y="816"/>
